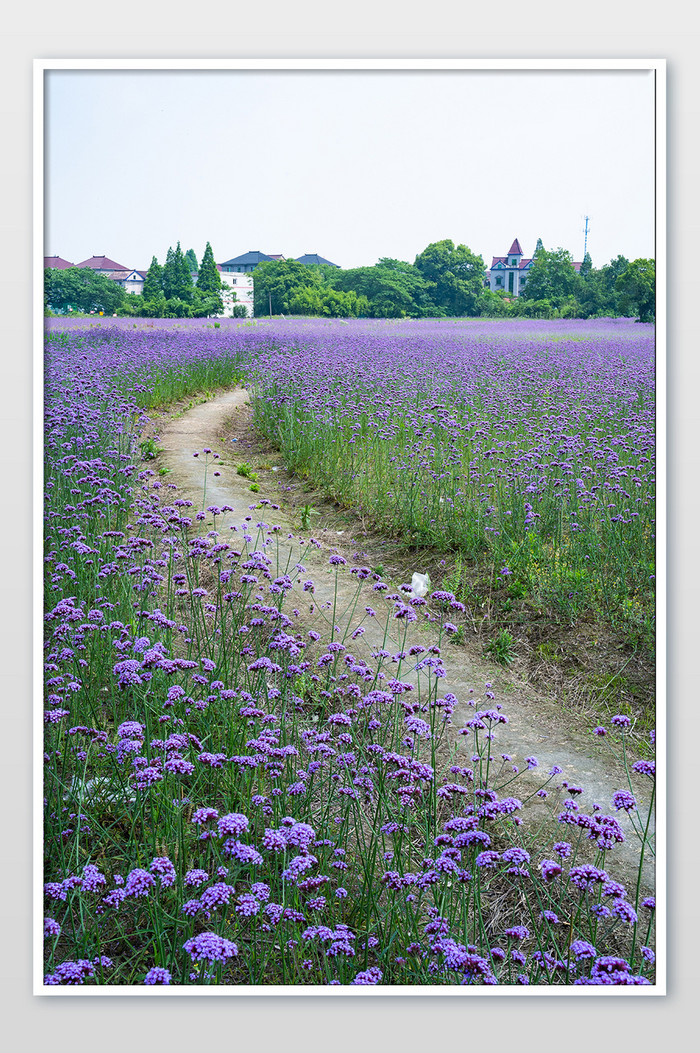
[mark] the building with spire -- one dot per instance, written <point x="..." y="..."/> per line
<point x="509" y="273"/>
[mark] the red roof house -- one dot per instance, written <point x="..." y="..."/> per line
<point x="102" y="263"/>
<point x="57" y="263"/>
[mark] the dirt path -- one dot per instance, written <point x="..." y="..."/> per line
<point x="538" y="726"/>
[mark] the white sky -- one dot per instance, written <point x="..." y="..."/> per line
<point x="353" y="165"/>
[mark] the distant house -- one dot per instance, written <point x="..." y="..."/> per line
<point x="56" y="263"/>
<point x="236" y="287"/>
<point x="131" y="281"/>
<point x="510" y="273"/>
<point x="103" y="265"/>
<point x="313" y="258"/>
<point x="245" y="263"/>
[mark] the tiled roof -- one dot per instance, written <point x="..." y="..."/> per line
<point x="102" y="263"/>
<point x="314" y="258"/>
<point x="515" y="249"/>
<point x="57" y="262"/>
<point x="246" y="259"/>
<point x="504" y="260"/>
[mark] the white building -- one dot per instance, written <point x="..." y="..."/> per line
<point x="236" y="288"/>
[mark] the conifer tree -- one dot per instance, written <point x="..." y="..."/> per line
<point x="209" y="280"/>
<point x="191" y="258"/>
<point x="169" y="274"/>
<point x="185" y="288"/>
<point x="177" y="280"/>
<point x="153" y="285"/>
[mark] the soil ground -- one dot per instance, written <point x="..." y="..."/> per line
<point x="550" y="713"/>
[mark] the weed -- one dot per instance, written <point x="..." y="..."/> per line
<point x="149" y="449"/>
<point x="501" y="647"/>
<point x="305" y="516"/>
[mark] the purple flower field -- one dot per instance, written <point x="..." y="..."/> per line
<point x="233" y="797"/>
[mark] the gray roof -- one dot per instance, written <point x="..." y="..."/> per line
<point x="246" y="259"/>
<point x="314" y="258"/>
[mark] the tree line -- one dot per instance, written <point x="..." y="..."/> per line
<point x="449" y="280"/>
<point x="180" y="288"/>
<point x="445" y="280"/>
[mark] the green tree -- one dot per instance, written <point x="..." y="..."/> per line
<point x="169" y="273"/>
<point x="636" y="287"/>
<point x="393" y="288"/>
<point x="192" y="261"/>
<point x="454" y="276"/>
<point x="177" y="280"/>
<point x="277" y="282"/>
<point x="82" y="290"/>
<point x="209" y="280"/>
<point x="586" y="266"/>
<point x="552" y="277"/>
<point x="153" y="284"/>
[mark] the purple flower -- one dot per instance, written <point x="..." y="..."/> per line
<point x="516" y="855"/>
<point x="585" y="876"/>
<point x="300" y="835"/>
<point x="216" y="895"/>
<point x="157" y="975"/>
<point x="274" y="840"/>
<point x="550" y="916"/>
<point x="487" y="859"/>
<point x="645" y="768"/>
<point x="195" y="878"/>
<point x="164" y="869"/>
<point x="92" y="878"/>
<point x="138" y="883"/>
<point x="203" y="815"/>
<point x="369" y="977"/>
<point x="248" y="905"/>
<point x="624" y="799"/>
<point x="191" y="908"/>
<point x="51" y="928"/>
<point x="581" y="950"/>
<point x="73" y="973"/>
<point x="210" y="947"/>
<point x="624" y="910"/>
<point x="550" y="869"/>
<point x="232" y="825"/>
<point x="610" y="964"/>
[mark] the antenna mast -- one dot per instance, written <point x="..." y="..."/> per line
<point x="585" y="238"/>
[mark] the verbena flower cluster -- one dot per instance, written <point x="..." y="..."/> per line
<point x="241" y="787"/>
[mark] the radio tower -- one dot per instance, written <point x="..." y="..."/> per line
<point x="585" y="238"/>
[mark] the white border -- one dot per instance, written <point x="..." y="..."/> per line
<point x="658" y="66"/>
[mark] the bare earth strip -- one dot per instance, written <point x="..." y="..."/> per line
<point x="538" y="726"/>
